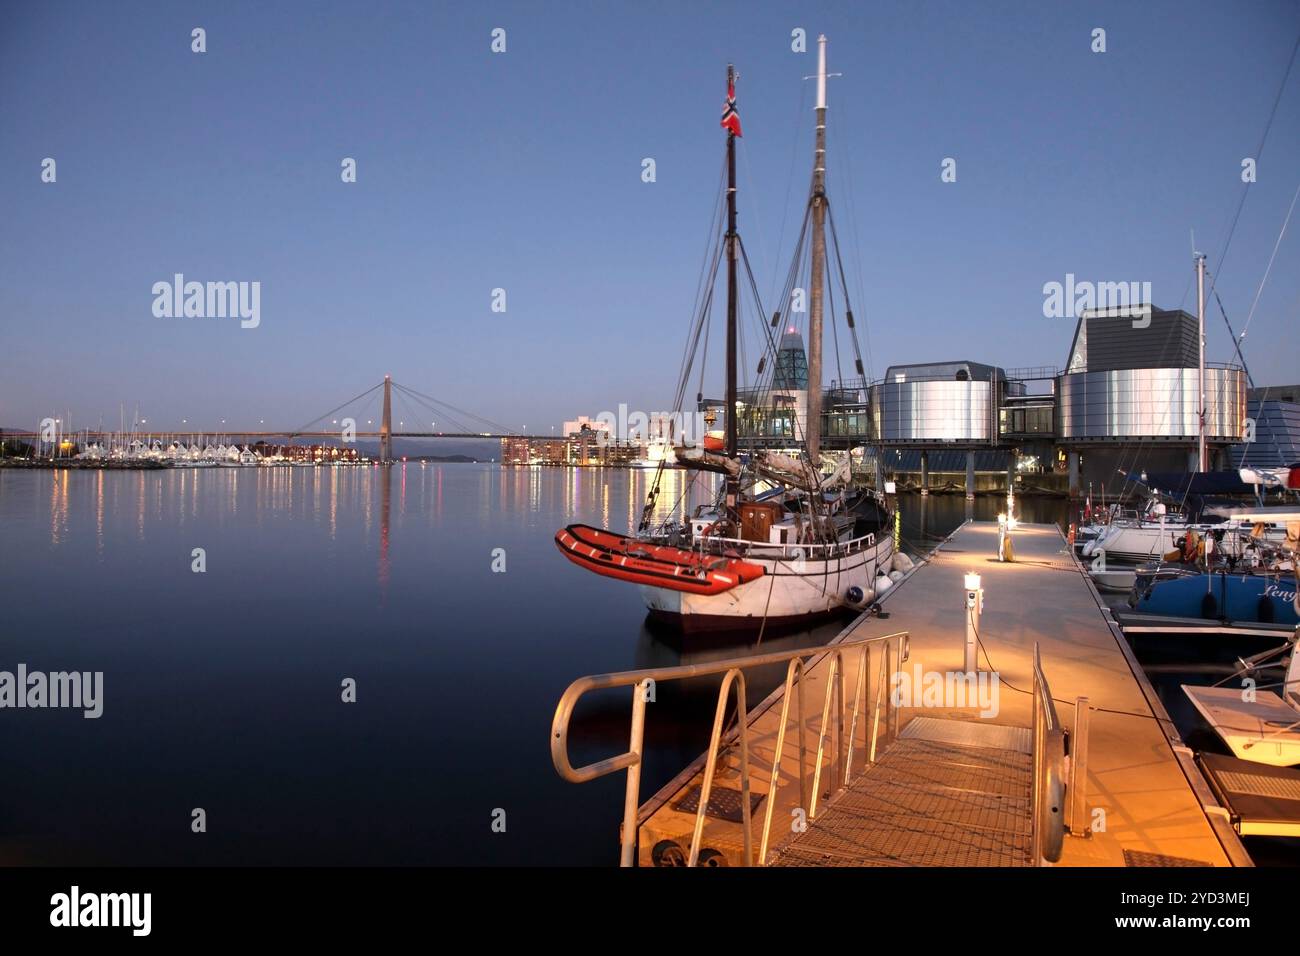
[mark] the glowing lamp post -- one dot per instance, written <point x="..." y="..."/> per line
<point x="974" y="605"/>
<point x="1006" y="524"/>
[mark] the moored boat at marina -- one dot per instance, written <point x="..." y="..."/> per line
<point x="1246" y="598"/>
<point x="803" y="545"/>
<point x="1259" y="721"/>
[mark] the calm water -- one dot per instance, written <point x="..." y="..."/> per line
<point x="222" y="689"/>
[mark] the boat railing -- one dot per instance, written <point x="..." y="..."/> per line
<point x="1048" y="790"/>
<point x="787" y="551"/>
<point x="866" y="707"/>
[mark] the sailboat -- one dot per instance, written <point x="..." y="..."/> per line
<point x="1261" y="725"/>
<point x="782" y="544"/>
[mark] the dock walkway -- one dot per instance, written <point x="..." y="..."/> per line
<point x="953" y="785"/>
<point x="931" y="800"/>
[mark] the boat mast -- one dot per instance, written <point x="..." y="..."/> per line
<point x="813" y="436"/>
<point x="733" y="481"/>
<point x="1202" y="460"/>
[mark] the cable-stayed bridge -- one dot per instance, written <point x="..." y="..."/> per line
<point x="334" y="424"/>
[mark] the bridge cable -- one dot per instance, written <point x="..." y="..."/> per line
<point x="496" y="426"/>
<point x="307" y="427"/>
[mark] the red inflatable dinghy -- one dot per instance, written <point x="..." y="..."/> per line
<point x="639" y="562"/>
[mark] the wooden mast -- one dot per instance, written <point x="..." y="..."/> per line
<point x="733" y="482"/>
<point x="818" y="270"/>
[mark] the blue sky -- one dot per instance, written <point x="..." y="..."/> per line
<point x="522" y="171"/>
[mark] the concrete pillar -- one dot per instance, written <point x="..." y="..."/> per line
<point x="386" y="423"/>
<point x="1072" y="460"/>
<point x="970" y="475"/>
<point x="1193" y="460"/>
<point x="925" y="472"/>
<point x="1011" y="471"/>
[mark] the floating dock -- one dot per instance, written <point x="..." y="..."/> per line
<point x="927" y="783"/>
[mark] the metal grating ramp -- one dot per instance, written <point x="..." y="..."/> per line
<point x="1263" y="800"/>
<point x="928" y="802"/>
<point x="725" y="803"/>
<point x="1141" y="858"/>
<point x="970" y="733"/>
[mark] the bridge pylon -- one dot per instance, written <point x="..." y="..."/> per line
<point x="386" y="425"/>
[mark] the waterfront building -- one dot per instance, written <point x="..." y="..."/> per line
<point x="516" y="451"/>
<point x="1275" y="411"/>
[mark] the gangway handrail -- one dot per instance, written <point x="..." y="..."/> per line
<point x="733" y="670"/>
<point x="1048" y="792"/>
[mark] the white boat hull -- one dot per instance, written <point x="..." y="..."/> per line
<point x="1135" y="543"/>
<point x="785" y="595"/>
<point x="1263" y="730"/>
<point x="1141" y="543"/>
<point x="1115" y="581"/>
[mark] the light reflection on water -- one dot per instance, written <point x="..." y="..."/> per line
<point x="222" y="688"/>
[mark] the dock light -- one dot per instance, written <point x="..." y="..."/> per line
<point x="1005" y="526"/>
<point x="974" y="605"/>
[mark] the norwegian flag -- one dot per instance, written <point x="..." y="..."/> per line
<point x="730" y="118"/>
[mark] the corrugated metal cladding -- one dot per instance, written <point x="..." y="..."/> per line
<point x="942" y="401"/>
<point x="1109" y="343"/>
<point x="1277" y="436"/>
<point x="1151" y="403"/>
<point x="934" y="411"/>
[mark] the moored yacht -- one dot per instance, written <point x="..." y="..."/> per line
<point x="781" y="543"/>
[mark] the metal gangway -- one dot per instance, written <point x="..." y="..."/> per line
<point x="933" y="792"/>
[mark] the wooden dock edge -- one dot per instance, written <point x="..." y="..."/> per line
<point x="1218" y="816"/>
